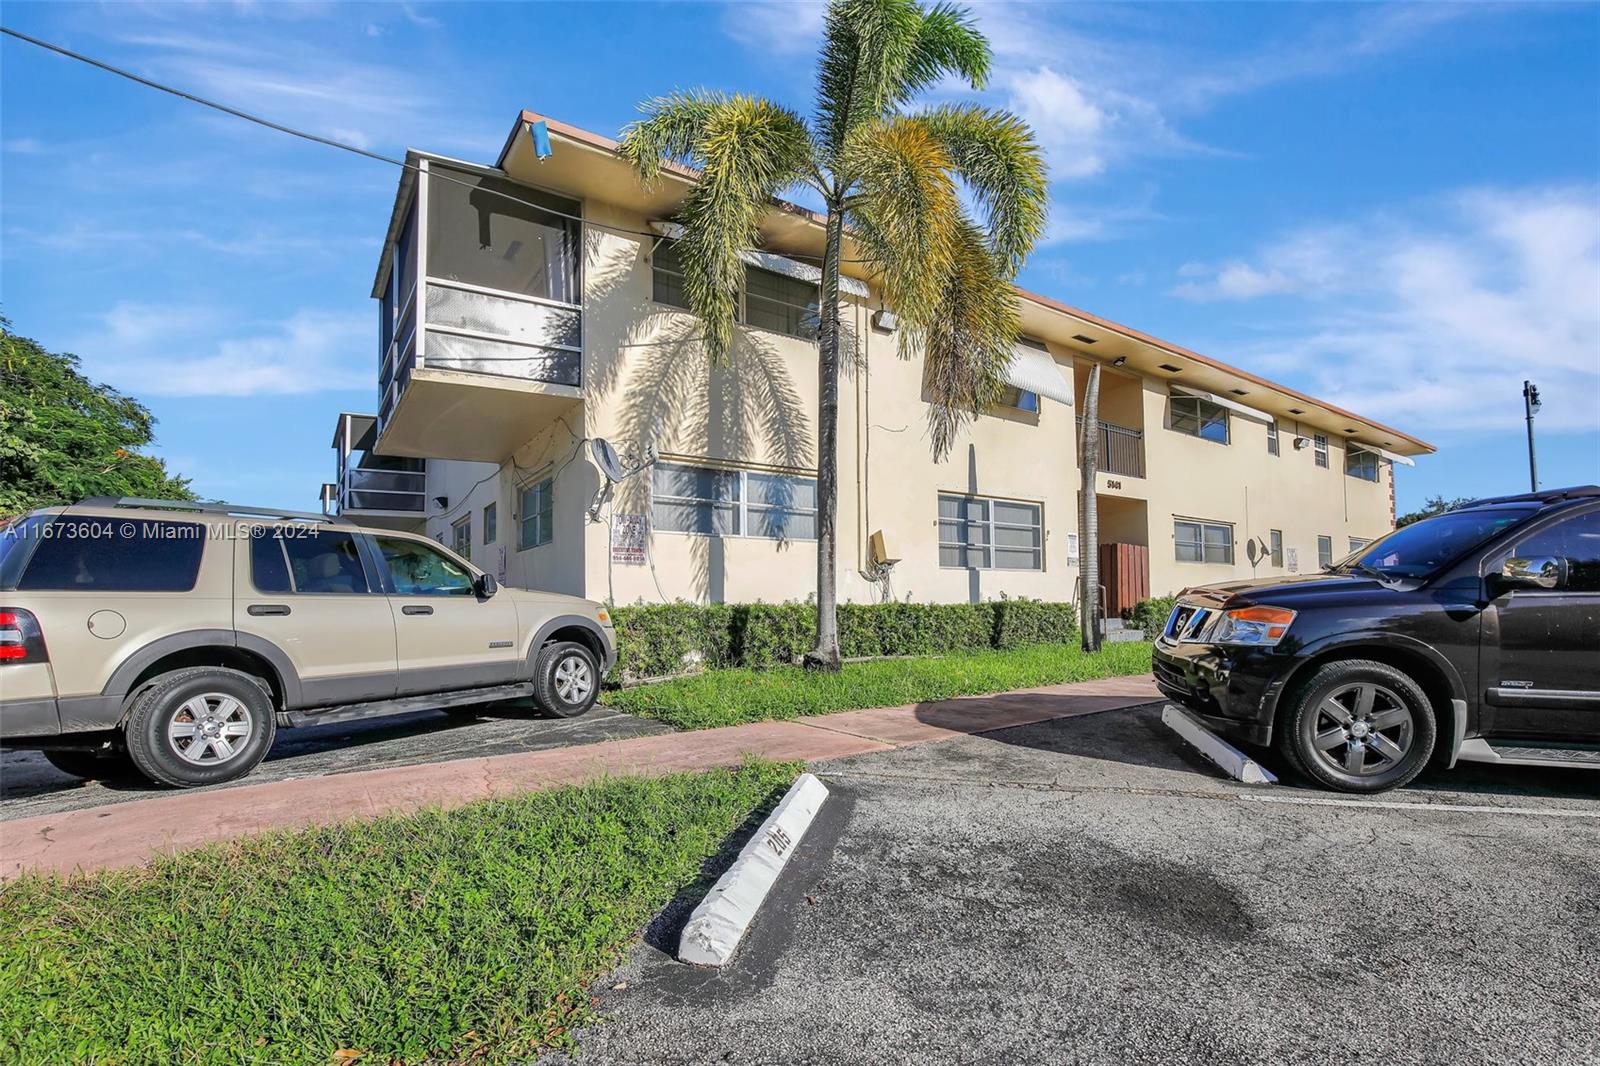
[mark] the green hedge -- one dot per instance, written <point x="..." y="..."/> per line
<point x="1151" y="615"/>
<point x="658" y="639"/>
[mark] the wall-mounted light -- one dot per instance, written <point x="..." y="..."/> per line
<point x="1120" y="360"/>
<point x="441" y="502"/>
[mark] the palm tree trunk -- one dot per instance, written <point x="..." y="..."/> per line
<point x="825" y="656"/>
<point x="1089" y="513"/>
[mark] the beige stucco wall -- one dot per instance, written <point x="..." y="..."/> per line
<point x="646" y="380"/>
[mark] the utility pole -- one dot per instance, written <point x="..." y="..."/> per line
<point x="1530" y="404"/>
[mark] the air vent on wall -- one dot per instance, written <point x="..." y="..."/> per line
<point x="1085" y="340"/>
<point x="1169" y="368"/>
<point x="1238" y="392"/>
<point x="1349" y="431"/>
<point x="1296" y="411"/>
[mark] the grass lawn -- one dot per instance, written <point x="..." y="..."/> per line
<point x="729" y="697"/>
<point x="455" y="935"/>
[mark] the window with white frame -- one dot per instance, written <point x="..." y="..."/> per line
<point x="768" y="300"/>
<point x="666" y="276"/>
<point x="1357" y="543"/>
<point x="1324" y="552"/>
<point x="733" y="503"/>
<point x="534" y="511"/>
<point x="1272" y="437"/>
<point x="491" y="518"/>
<point x="981" y="533"/>
<point x="1319" y="444"/>
<point x="1199" y="418"/>
<point x="1275" y="543"/>
<point x="1198" y="541"/>
<point x="1360" y="463"/>
<point x="461" y="536"/>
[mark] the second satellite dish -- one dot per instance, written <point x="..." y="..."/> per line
<point x="612" y="470"/>
<point x="605" y="457"/>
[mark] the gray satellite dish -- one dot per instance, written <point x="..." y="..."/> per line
<point x="1252" y="551"/>
<point x="605" y="457"/>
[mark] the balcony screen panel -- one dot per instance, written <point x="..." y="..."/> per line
<point x="406" y="257"/>
<point x="384" y="501"/>
<point x="516" y="320"/>
<point x="449" y="352"/>
<point x="385" y="480"/>
<point x="479" y="233"/>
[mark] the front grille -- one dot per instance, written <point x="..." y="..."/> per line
<point x="1170" y="676"/>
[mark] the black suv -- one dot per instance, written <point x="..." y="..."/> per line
<point x="1473" y="635"/>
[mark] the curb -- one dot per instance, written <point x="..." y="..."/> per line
<point x="1229" y="759"/>
<point x="720" y="921"/>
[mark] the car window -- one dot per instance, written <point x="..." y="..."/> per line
<point x="269" y="567"/>
<point x="92" y="554"/>
<point x="1575" y="540"/>
<point x="418" y="569"/>
<point x="322" y="560"/>
<point x="1424" y="547"/>
<point x="16" y="540"/>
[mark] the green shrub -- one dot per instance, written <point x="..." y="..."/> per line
<point x="656" y="640"/>
<point x="1151" y="615"/>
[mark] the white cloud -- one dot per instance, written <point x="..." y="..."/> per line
<point x="776" y="27"/>
<point x="1435" y="323"/>
<point x="171" y="350"/>
<point x="1071" y="129"/>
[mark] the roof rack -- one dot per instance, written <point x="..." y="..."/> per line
<point x="237" y="510"/>
<point x="1573" y="492"/>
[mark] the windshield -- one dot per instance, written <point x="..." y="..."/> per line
<point x="1423" y="548"/>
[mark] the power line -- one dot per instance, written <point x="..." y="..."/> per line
<point x="329" y="142"/>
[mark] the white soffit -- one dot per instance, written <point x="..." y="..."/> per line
<point x="1375" y="450"/>
<point x="1036" y="371"/>
<point x="777" y="264"/>
<point x="1221" y="401"/>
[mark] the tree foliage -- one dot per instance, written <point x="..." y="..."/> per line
<point x="64" y="437"/>
<point x="1435" y="505"/>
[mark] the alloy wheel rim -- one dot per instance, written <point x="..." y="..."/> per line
<point x="210" y="729"/>
<point x="1362" y="729"/>
<point x="574" y="680"/>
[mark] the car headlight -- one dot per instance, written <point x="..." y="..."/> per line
<point x="1260" y="627"/>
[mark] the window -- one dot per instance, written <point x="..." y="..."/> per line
<point x="980" y="533"/>
<point x="320" y="561"/>
<point x="1199" y="418"/>
<point x="1576" y="541"/>
<point x="1019" y="399"/>
<point x="461" y="536"/>
<point x="713" y="502"/>
<point x="1272" y="437"/>
<point x="418" y="569"/>
<point x="269" y="567"/>
<point x="490" y="517"/>
<point x="479" y="235"/>
<point x="769" y="300"/>
<point x="534" y="512"/>
<point x="1202" y="542"/>
<point x="115" y="555"/>
<point x="1324" y="552"/>
<point x="1358" y="462"/>
<point x="1275" y="544"/>
<point x="1356" y="544"/>
<point x="781" y="304"/>
<point x="1319" y="444"/>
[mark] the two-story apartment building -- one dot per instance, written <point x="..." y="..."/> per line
<point x="530" y="307"/>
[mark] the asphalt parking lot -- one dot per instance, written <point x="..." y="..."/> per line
<point x="30" y="786"/>
<point x="1087" y="891"/>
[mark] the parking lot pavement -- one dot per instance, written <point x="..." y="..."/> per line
<point x="1087" y="891"/>
<point x="30" y="786"/>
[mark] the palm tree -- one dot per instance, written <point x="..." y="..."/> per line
<point x="893" y="178"/>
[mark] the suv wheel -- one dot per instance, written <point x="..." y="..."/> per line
<point x="566" y="679"/>
<point x="89" y="765"/>
<point x="200" y="726"/>
<point x="1359" y="726"/>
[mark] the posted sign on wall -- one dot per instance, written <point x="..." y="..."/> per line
<point x="627" y="539"/>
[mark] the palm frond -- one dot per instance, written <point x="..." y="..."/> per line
<point x="996" y="153"/>
<point x="866" y="47"/>
<point x="966" y="348"/>
<point x="948" y="42"/>
<point x="747" y="150"/>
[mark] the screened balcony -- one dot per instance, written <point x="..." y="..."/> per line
<point x="380" y="489"/>
<point x="480" y="324"/>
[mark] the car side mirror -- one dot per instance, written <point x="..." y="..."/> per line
<point x="1535" y="572"/>
<point x="485" y="586"/>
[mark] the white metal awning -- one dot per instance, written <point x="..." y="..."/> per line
<point x="1356" y="445"/>
<point x="1221" y="401"/>
<point x="1035" y="371"/>
<point x="777" y="264"/>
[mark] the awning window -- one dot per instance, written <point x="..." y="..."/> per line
<point x="1221" y="401"/>
<point x="777" y="264"/>
<point x="1357" y="446"/>
<point x="1035" y="371"/>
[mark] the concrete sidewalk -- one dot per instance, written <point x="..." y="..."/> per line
<point x="127" y="834"/>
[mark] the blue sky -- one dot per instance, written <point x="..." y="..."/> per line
<point x="1394" y="208"/>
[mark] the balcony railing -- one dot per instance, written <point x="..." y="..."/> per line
<point x="363" y="489"/>
<point x="1121" y="449"/>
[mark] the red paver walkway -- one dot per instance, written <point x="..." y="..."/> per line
<point x="126" y="834"/>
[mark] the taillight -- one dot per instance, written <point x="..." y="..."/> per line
<point x="21" y="639"/>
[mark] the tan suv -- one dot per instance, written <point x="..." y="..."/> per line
<point x="181" y="635"/>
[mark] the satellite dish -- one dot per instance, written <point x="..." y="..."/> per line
<point x="1252" y="552"/>
<point x="605" y="457"/>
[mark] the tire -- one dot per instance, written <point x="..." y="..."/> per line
<point x="89" y="765"/>
<point x="566" y="679"/>
<point x="235" y="719"/>
<point x="1358" y="726"/>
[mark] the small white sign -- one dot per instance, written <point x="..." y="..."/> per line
<point x="1072" y="549"/>
<point x="628" y="534"/>
<point x="1292" y="557"/>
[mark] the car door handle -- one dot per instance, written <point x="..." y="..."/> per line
<point x="259" y="609"/>
<point x="415" y="608"/>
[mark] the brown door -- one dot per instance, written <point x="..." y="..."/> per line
<point x="1125" y="572"/>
